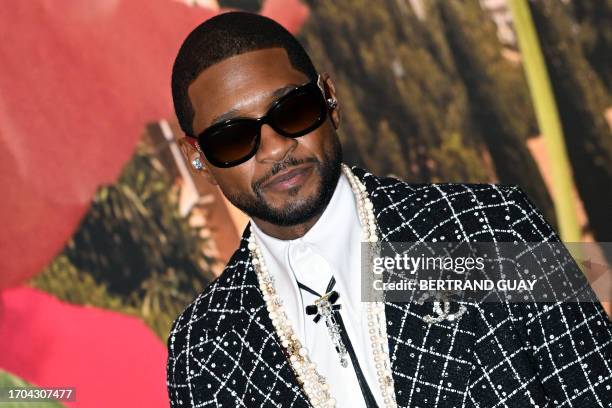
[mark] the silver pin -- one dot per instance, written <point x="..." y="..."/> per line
<point x="324" y="307"/>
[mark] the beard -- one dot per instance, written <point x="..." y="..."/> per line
<point x="300" y="210"/>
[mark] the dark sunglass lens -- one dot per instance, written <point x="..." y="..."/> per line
<point x="299" y="112"/>
<point x="230" y="143"/>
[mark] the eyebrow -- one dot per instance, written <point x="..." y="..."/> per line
<point x="277" y="93"/>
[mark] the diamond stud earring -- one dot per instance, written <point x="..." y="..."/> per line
<point x="197" y="164"/>
<point x="332" y="103"/>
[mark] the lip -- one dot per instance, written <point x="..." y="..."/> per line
<point x="289" y="178"/>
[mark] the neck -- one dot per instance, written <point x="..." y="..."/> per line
<point x="286" y="232"/>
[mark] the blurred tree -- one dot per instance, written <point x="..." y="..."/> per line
<point x="387" y="152"/>
<point x="466" y="166"/>
<point x="133" y="251"/>
<point x="397" y="85"/>
<point x="134" y="230"/>
<point x="62" y="279"/>
<point x="581" y="100"/>
<point x="477" y="53"/>
<point x="595" y="33"/>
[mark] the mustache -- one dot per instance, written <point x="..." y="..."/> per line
<point x="280" y="166"/>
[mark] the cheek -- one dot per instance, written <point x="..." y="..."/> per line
<point x="236" y="181"/>
<point x="319" y="141"/>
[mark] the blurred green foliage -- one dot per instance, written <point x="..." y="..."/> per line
<point x="577" y="78"/>
<point x="133" y="252"/>
<point x="591" y="23"/>
<point x="411" y="87"/>
<point x="495" y="107"/>
<point x="407" y="82"/>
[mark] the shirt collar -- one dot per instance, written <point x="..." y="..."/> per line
<point x="335" y="236"/>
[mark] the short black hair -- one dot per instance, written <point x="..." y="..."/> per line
<point x="224" y="36"/>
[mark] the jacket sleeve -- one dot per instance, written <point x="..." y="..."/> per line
<point x="197" y="365"/>
<point x="570" y="341"/>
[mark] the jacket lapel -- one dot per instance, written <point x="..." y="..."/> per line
<point x="253" y="325"/>
<point x="404" y="320"/>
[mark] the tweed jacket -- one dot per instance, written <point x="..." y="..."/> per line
<point x="223" y="350"/>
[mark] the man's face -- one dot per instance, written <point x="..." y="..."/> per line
<point x="245" y="86"/>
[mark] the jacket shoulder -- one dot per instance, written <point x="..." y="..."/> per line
<point x="394" y="188"/>
<point x="450" y="211"/>
<point x="211" y="310"/>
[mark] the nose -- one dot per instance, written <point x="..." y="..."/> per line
<point x="274" y="147"/>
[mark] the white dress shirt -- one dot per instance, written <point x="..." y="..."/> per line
<point x="331" y="246"/>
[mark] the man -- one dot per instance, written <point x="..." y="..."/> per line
<point x="284" y="325"/>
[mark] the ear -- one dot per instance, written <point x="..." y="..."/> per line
<point x="330" y="92"/>
<point x="189" y="148"/>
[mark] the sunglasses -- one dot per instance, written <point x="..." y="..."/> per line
<point x="234" y="141"/>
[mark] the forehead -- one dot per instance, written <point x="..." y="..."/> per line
<point x="243" y="83"/>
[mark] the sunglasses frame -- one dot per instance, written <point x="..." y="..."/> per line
<point x="259" y="122"/>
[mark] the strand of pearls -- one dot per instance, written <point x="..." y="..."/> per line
<point x="377" y="322"/>
<point x="315" y="385"/>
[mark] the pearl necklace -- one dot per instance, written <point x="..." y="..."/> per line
<point x="314" y="384"/>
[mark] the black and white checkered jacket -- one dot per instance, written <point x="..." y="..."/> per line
<point x="224" y="352"/>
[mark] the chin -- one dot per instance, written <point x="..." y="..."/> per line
<point x="299" y="207"/>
